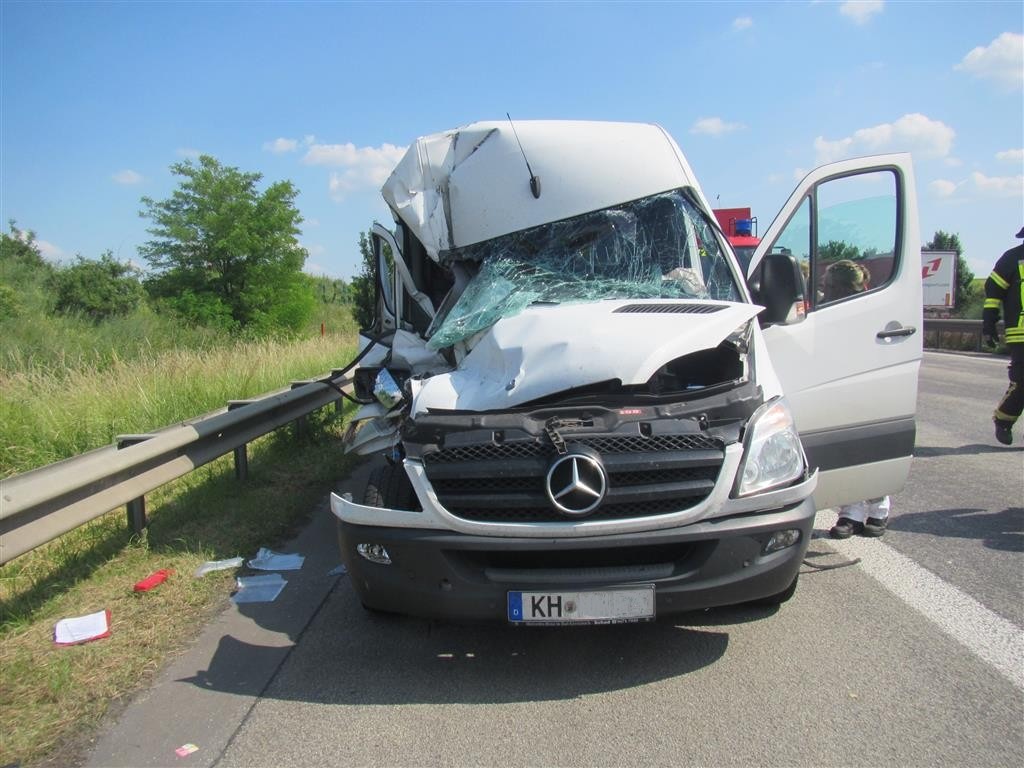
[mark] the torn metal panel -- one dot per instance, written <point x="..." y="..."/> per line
<point x="546" y="349"/>
<point x="471" y="184"/>
<point x="658" y="247"/>
<point x="409" y="352"/>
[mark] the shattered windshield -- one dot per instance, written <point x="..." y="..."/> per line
<point x="658" y="247"/>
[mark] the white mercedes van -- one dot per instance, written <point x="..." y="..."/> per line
<point x="588" y="413"/>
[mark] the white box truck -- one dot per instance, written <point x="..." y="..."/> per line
<point x="588" y="413"/>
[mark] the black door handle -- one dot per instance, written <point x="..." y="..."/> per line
<point x="908" y="330"/>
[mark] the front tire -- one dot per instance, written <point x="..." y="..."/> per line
<point x="389" y="487"/>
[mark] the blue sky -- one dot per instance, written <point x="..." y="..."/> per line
<point x="97" y="100"/>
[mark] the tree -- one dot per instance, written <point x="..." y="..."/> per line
<point x="225" y="254"/>
<point x="99" y="289"/>
<point x="19" y="249"/>
<point x="23" y="272"/>
<point x="836" y="250"/>
<point x="944" y="241"/>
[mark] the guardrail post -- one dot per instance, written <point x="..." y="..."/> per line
<point x="301" y="423"/>
<point x="136" y="508"/>
<point x="241" y="452"/>
<point x="339" y="404"/>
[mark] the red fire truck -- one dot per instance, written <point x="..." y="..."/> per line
<point x="741" y="230"/>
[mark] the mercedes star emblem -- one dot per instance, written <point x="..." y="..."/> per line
<point x="576" y="484"/>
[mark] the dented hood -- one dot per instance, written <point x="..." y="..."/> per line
<point x="548" y="349"/>
<point x="471" y="184"/>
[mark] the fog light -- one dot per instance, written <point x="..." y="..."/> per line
<point x="375" y="553"/>
<point x="782" y="539"/>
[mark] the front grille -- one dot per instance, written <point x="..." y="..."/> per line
<point x="505" y="482"/>
<point x="603" y="445"/>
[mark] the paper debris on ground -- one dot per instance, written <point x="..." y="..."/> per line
<point x="218" y="565"/>
<point x="339" y="571"/>
<point x="153" y="580"/>
<point x="258" y="589"/>
<point x="266" y="560"/>
<point x="185" y="750"/>
<point x="82" y="629"/>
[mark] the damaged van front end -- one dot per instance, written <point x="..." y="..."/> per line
<point x="569" y="384"/>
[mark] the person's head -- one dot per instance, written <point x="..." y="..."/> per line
<point x="844" y="278"/>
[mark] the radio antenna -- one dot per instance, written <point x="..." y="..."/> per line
<point x="534" y="179"/>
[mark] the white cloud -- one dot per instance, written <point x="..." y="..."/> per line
<point x="998" y="186"/>
<point x="1011" y="156"/>
<point x="361" y="166"/>
<point x="953" y="162"/>
<point x="280" y="146"/>
<point x="943" y="187"/>
<point x="861" y="11"/>
<point x="714" y="126"/>
<point x="311" y="222"/>
<point x="189" y="152"/>
<point x="1002" y="60"/>
<point x="741" y="23"/>
<point x="309" y="139"/>
<point x="911" y="133"/>
<point x="314" y="249"/>
<point x="128" y="177"/>
<point x="799" y="173"/>
<point x="49" y="250"/>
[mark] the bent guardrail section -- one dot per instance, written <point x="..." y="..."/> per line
<point x="40" y="505"/>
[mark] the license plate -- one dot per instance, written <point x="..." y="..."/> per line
<point x="605" y="606"/>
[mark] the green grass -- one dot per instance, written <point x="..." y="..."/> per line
<point x="67" y="386"/>
<point x="51" y="696"/>
<point x="51" y="413"/>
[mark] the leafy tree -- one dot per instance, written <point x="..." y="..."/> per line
<point x="99" y="288"/>
<point x="24" y="273"/>
<point x="19" y="249"/>
<point x="226" y="254"/>
<point x="945" y="241"/>
<point x="834" y="250"/>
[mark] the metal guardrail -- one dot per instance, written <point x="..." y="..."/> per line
<point x="939" y="333"/>
<point x="40" y="505"/>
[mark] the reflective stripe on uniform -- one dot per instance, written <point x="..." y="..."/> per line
<point x="996" y="278"/>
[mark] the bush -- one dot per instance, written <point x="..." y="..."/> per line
<point x="98" y="289"/>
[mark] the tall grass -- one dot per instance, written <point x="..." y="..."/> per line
<point x="50" y="414"/>
<point x="75" y="388"/>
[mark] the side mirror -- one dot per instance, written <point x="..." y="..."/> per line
<point x="778" y="285"/>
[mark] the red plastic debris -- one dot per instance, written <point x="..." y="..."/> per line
<point x="153" y="580"/>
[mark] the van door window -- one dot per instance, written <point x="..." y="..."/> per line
<point x="855" y="238"/>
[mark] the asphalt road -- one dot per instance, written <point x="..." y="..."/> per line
<point x="912" y="656"/>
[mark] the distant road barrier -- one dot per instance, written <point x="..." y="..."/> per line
<point x="954" y="334"/>
<point x="44" y="503"/>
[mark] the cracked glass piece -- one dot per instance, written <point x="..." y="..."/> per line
<point x="658" y="247"/>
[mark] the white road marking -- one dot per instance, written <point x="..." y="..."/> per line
<point x="988" y="635"/>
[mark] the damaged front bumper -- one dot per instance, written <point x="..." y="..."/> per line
<point x="451" y="575"/>
<point x="443" y="566"/>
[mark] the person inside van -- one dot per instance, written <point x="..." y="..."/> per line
<point x="844" y="278"/>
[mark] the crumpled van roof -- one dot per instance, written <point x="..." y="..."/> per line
<point x="471" y="184"/>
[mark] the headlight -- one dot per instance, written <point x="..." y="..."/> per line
<point x="773" y="455"/>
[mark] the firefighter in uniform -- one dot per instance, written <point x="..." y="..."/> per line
<point x="1005" y="286"/>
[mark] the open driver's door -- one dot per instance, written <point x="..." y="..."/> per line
<point x="849" y="367"/>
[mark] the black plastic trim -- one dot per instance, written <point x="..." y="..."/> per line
<point x="863" y="444"/>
